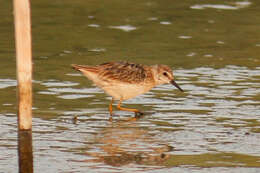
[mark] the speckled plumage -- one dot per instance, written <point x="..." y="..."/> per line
<point x="119" y="71"/>
<point x="125" y="80"/>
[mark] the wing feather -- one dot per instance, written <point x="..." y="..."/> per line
<point x="123" y="72"/>
<point x="118" y="71"/>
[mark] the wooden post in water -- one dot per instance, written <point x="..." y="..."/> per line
<point x="22" y="19"/>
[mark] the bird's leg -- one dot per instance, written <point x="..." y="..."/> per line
<point x="136" y="111"/>
<point x="111" y="108"/>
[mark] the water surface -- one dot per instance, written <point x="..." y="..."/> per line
<point x="213" y="49"/>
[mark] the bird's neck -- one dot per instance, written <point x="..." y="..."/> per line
<point x="154" y="70"/>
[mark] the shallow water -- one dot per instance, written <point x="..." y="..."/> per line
<point x="213" y="48"/>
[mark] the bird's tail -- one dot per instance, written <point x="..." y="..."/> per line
<point x="84" y="68"/>
<point x="77" y="67"/>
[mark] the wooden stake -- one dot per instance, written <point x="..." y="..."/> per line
<point x="22" y="21"/>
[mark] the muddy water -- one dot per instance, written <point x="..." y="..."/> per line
<point x="213" y="48"/>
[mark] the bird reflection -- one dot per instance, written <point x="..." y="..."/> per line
<point x="127" y="143"/>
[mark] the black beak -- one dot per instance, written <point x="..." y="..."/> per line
<point x="176" y="85"/>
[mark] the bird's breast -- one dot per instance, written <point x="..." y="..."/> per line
<point x="125" y="91"/>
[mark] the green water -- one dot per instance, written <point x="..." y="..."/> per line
<point x="213" y="47"/>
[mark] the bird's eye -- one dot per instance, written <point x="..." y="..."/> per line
<point x="165" y="74"/>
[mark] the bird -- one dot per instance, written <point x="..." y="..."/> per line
<point x="124" y="80"/>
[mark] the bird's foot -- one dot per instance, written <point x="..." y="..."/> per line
<point x="111" y="117"/>
<point x="138" y="114"/>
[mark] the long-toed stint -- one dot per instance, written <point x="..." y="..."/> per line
<point x="125" y="80"/>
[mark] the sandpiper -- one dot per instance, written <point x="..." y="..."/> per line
<point x="125" y="80"/>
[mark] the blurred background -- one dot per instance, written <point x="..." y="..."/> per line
<point x="213" y="47"/>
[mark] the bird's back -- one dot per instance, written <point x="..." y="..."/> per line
<point x="123" y="72"/>
<point x="118" y="71"/>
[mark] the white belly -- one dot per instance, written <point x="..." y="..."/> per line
<point x="119" y="91"/>
<point x="126" y="91"/>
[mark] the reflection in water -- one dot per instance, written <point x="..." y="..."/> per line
<point x="25" y="151"/>
<point x="125" y="143"/>
<point x="126" y="28"/>
<point x="4" y="83"/>
<point x="235" y="6"/>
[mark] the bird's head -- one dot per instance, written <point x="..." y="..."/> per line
<point x="163" y="74"/>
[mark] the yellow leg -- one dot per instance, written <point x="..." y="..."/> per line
<point x="127" y="109"/>
<point x="110" y="107"/>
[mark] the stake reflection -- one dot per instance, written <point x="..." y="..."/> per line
<point x="25" y="152"/>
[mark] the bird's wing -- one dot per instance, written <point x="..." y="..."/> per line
<point x="122" y="71"/>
